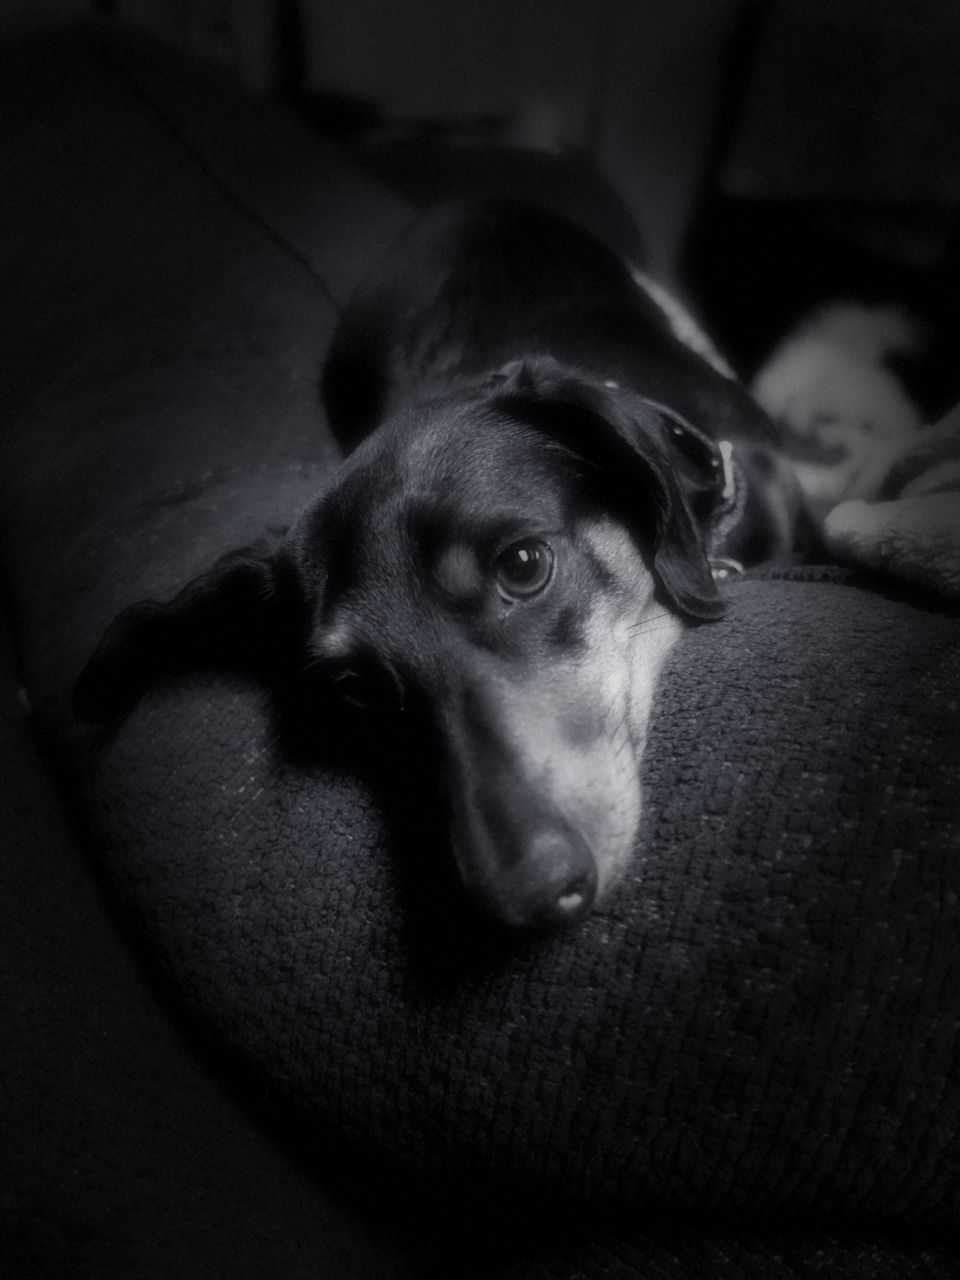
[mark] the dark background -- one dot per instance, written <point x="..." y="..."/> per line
<point x="774" y="153"/>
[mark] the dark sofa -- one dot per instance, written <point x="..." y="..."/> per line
<point x="248" y="1029"/>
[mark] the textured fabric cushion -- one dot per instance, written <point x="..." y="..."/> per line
<point x="766" y="1016"/>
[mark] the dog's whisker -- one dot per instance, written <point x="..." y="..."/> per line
<point x="610" y="710"/>
<point x="646" y="629"/>
<point x="646" y="625"/>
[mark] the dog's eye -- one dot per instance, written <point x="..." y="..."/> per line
<point x="352" y="689"/>
<point x="523" y="569"/>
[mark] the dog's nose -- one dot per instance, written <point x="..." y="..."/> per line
<point x="556" y="880"/>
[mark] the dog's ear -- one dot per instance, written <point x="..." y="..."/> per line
<point x="233" y="615"/>
<point x="626" y="439"/>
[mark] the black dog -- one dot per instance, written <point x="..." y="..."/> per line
<point x="543" y="479"/>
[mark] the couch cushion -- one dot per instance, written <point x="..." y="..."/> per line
<point x="766" y="1015"/>
<point x="718" y="1034"/>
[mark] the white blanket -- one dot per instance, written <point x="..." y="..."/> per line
<point x="886" y="491"/>
<point x="907" y="521"/>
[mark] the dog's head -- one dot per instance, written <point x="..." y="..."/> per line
<point x="509" y="567"/>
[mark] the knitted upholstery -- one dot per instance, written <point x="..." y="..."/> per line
<point x="764" y="1015"/>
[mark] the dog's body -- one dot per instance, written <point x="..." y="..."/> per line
<point x="523" y="528"/>
<point x="477" y="289"/>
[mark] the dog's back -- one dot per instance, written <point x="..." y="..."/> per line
<point x="477" y="286"/>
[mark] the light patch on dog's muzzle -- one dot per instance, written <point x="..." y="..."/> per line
<point x="546" y="787"/>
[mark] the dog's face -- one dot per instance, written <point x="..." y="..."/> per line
<point x="509" y="569"/>
<point x="476" y="567"/>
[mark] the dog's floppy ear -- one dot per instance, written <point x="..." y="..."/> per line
<point x="232" y="615"/>
<point x="625" y="438"/>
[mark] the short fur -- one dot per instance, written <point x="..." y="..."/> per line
<point x="521" y="531"/>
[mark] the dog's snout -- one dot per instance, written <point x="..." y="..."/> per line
<point x="556" y="881"/>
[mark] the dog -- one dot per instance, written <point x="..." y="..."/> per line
<point x="542" y="487"/>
